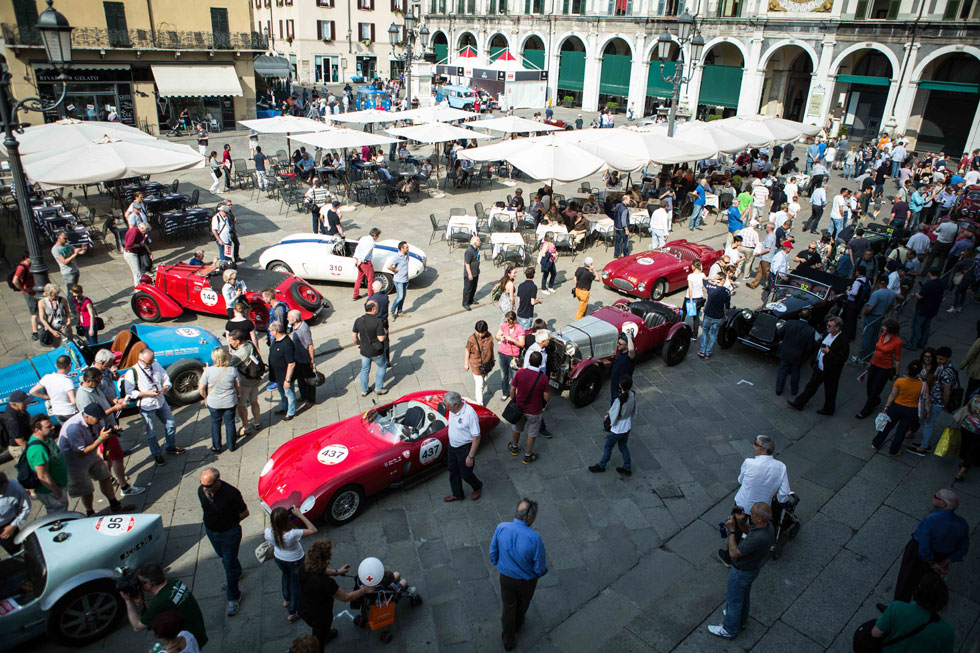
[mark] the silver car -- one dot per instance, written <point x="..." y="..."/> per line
<point x="63" y="582"/>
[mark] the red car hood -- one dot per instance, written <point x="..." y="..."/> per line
<point x="642" y="265"/>
<point x="294" y="463"/>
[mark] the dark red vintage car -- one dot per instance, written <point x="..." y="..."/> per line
<point x="580" y="354"/>
<point x="182" y="286"/>
<point x="658" y="272"/>
<point x="558" y="122"/>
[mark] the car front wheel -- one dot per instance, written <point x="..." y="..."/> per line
<point x="345" y="504"/>
<point x="184" y="375"/>
<point x="586" y="387"/>
<point x="146" y="307"/>
<point x="677" y="348"/>
<point x="659" y="290"/>
<point x="727" y="335"/>
<point x="86" y="614"/>
<point x="387" y="282"/>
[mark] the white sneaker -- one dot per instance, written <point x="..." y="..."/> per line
<point x="719" y="631"/>
<point x="133" y="490"/>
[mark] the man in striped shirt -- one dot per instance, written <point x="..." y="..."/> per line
<point x="316" y="197"/>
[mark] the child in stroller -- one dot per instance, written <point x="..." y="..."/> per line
<point x="378" y="607"/>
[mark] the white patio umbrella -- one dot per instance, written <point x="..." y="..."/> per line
<point x="696" y="133"/>
<point x="804" y="129"/>
<point x="628" y="150"/>
<point x="287" y="125"/>
<point x="70" y="152"/>
<point x="437" y="113"/>
<point x="512" y="125"/>
<point x="542" y="158"/>
<point x="367" y="116"/>
<point x="435" y="132"/>
<point x="780" y="132"/>
<point x="754" y="133"/>
<point x="344" y="139"/>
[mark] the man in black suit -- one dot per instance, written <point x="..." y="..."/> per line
<point x="798" y="341"/>
<point x="827" y="369"/>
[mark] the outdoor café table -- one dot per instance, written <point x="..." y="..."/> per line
<point x="510" y="216"/>
<point x="640" y="217"/>
<point x="461" y="223"/>
<point x="499" y="239"/>
<point x="544" y="229"/>
<point x="602" y="224"/>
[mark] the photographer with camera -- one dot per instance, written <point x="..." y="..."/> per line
<point x="166" y="595"/>
<point x="78" y="441"/>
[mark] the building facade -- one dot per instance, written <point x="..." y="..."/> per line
<point x="903" y="66"/>
<point x="147" y="60"/>
<point x="333" y="41"/>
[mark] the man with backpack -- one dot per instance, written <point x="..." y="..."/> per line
<point x="278" y="312"/>
<point x="857" y="297"/>
<point x="15" y="506"/>
<point x="43" y="469"/>
<point x="877" y="307"/>
<point x="22" y="281"/>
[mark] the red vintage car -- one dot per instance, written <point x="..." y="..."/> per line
<point x="558" y="122"/>
<point x="330" y="471"/>
<point x="658" y="272"/>
<point x="182" y="286"/>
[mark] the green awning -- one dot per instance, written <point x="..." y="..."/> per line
<point x="656" y="86"/>
<point x="953" y="87"/>
<point x="571" y="70"/>
<point x="495" y="52"/>
<point x="534" y="59"/>
<point x="614" y="79"/>
<point x="721" y="86"/>
<point x="864" y="79"/>
<point x="441" y="50"/>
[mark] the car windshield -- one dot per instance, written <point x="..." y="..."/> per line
<point x="405" y="421"/>
<point x="382" y="426"/>
<point x="973" y="195"/>
<point x="801" y="287"/>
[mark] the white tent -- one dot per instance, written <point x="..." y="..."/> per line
<point x="72" y="152"/>
<point x="437" y="113"/>
<point x="542" y="158"/>
<point x="512" y="125"/>
<point x="755" y="134"/>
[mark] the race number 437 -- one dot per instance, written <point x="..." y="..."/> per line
<point x="332" y="454"/>
<point x="114" y="526"/>
<point x="429" y="451"/>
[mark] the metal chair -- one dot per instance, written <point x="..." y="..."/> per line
<point x="453" y="212"/>
<point x="566" y="242"/>
<point x="500" y="226"/>
<point x="437" y="228"/>
<point x="483" y="176"/>
<point x="511" y="253"/>
<point x="459" y="236"/>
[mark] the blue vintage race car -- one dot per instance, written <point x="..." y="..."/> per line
<point x="63" y="582"/>
<point x="182" y="351"/>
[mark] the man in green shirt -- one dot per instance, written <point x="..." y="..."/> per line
<point x="166" y="595"/>
<point x="916" y="626"/>
<point x="46" y="460"/>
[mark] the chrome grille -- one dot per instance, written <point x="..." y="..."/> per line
<point x="623" y="284"/>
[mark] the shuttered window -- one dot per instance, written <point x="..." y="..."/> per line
<point x="326" y="30"/>
<point x="115" y="22"/>
<point x="219" y="27"/>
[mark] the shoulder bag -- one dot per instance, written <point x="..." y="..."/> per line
<point x="865" y="643"/>
<point x="513" y="412"/>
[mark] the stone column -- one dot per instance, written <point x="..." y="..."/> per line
<point x="748" y="96"/>
<point x="639" y="70"/>
<point x="590" y="88"/>
<point x="906" y="94"/>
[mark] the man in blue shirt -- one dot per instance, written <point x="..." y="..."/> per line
<point x="930" y="297"/>
<point x="940" y="539"/>
<point x="735" y="223"/>
<point x="881" y="301"/>
<point x="812" y="155"/>
<point x="518" y="552"/>
<point x="699" y="203"/>
<point x="621" y="224"/>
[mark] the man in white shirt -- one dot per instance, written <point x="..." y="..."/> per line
<point x="146" y="384"/>
<point x="363" y="254"/>
<point x="58" y="390"/>
<point x="541" y="339"/>
<point x="221" y="231"/>
<point x="762" y="477"/>
<point x="136" y="213"/>
<point x="780" y="264"/>
<point x="818" y="200"/>
<point x="734" y="253"/>
<point x="792" y="189"/>
<point x="898" y="157"/>
<point x="750" y="243"/>
<point x="946" y="233"/>
<point x="760" y="199"/>
<point x="659" y="227"/>
<point x="972" y="177"/>
<point x="464" y="442"/>
<point x="838" y="211"/>
<point x="919" y="242"/>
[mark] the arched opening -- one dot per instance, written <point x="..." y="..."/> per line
<point x="533" y="53"/>
<point x="466" y="39"/>
<point x="614" y="76"/>
<point x="571" y="71"/>
<point x="440" y="46"/>
<point x="786" y="84"/>
<point x="863" y="80"/>
<point x="659" y="93"/>
<point x="498" y="43"/>
<point x="721" y="81"/>
<point x="945" y="104"/>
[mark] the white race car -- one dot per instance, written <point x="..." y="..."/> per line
<point x="330" y="258"/>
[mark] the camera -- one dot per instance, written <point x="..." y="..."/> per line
<point x="129" y="584"/>
<point x="736" y="511"/>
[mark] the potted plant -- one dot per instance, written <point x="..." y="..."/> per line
<point x="568" y="100"/>
<point x="612" y="106"/>
<point x="366" y="43"/>
<point x="327" y="39"/>
<point x="713" y="116"/>
<point x="289" y="40"/>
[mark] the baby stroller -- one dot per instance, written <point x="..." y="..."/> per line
<point x="378" y="607"/>
<point x="785" y="523"/>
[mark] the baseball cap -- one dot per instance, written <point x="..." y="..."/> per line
<point x="20" y="397"/>
<point x="787" y="244"/>
<point x="588" y="261"/>
<point x="335" y="203"/>
<point x="94" y="410"/>
<point x="223" y="208"/>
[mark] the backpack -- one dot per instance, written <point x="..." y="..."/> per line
<point x="496" y="292"/>
<point x="10" y="277"/>
<point x="863" y="295"/>
<point x="955" y="393"/>
<point x="26" y="475"/>
<point x="254" y="369"/>
<point x="279" y="306"/>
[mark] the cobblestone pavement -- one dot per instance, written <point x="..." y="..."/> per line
<point x="631" y="561"/>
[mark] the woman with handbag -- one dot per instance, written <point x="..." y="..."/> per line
<point x="883" y="366"/>
<point x="285" y="536"/>
<point x="226" y="166"/>
<point x="547" y="257"/>
<point x="902" y="408"/>
<point x="216" y="173"/>
<point x="964" y="276"/>
<point x="618" y="422"/>
<point x="89" y="324"/>
<point x="505" y="290"/>
<point x="251" y="370"/>
<point x="220" y="387"/>
<point x="54" y="315"/>
<point x="479" y="358"/>
<point x="969" y="435"/>
<point x="511" y="338"/>
<point x="695" y="293"/>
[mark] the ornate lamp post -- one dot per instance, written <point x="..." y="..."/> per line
<point x="413" y="33"/>
<point x="687" y="32"/>
<point x="56" y="37"/>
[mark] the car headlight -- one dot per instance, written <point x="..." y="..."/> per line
<point x="642" y="287"/>
<point x="780" y="324"/>
<point x="267" y="468"/>
<point x="307" y="504"/>
<point x="605" y="274"/>
<point x="746" y="314"/>
<point x="570" y="348"/>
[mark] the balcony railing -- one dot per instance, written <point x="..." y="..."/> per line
<point x="142" y="39"/>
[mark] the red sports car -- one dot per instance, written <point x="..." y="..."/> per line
<point x="655" y="273"/>
<point x="330" y="471"/>
<point x="198" y="288"/>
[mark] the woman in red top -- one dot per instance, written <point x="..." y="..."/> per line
<point x="83" y="307"/>
<point x="226" y="165"/>
<point x="883" y="366"/>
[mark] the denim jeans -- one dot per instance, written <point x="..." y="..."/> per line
<point x="226" y="545"/>
<point x="505" y="372"/>
<point x="219" y="415"/>
<point x="895" y="167"/>
<point x="548" y="276"/>
<point x="290" y="582"/>
<point x="379" y="379"/>
<point x="920" y="330"/>
<point x="696" y="220"/>
<point x="959" y="292"/>
<point x="169" y="425"/>
<point x="737" y="599"/>
<point x="848" y="170"/>
<point x="836" y="226"/>
<point x="525" y="322"/>
<point x="287" y="398"/>
<point x="709" y="333"/>
<point x="398" y="306"/>
<point x="621" y="243"/>
<point x="930" y="424"/>
<point x="901" y="418"/>
<point x="618" y="439"/>
<point x="809" y="166"/>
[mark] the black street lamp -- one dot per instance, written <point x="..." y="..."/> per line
<point x="685" y="28"/>
<point x="413" y="33"/>
<point x="56" y="36"/>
